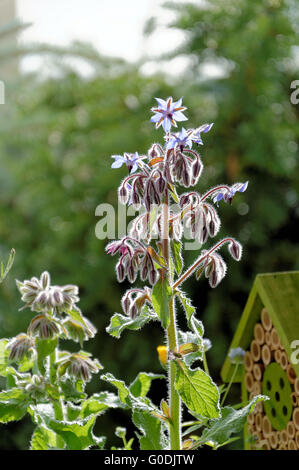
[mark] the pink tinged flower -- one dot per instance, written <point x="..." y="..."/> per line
<point x="167" y="113"/>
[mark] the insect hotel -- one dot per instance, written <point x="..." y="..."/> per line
<point x="269" y="333"/>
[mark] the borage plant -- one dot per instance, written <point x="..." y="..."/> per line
<point x="153" y="250"/>
<point x="48" y="382"/>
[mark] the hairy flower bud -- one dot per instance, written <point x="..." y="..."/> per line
<point x="153" y="276"/>
<point x="120" y="271"/>
<point x="44" y="327"/>
<point x="79" y="365"/>
<point x="20" y="346"/>
<point x="123" y="194"/>
<point x="235" y="249"/>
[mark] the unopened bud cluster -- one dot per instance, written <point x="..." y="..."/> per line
<point x="135" y="258"/>
<point x="40" y="296"/>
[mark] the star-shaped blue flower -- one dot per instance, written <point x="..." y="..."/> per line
<point x="228" y="195"/>
<point x="129" y="159"/>
<point x="196" y="137"/>
<point x="180" y="139"/>
<point x="167" y="113"/>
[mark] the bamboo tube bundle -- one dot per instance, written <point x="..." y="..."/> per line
<point x="266" y="320"/>
<point x="295" y="399"/>
<point x="268" y="339"/>
<point x="274" y="339"/>
<point x="264" y="444"/>
<point x="291" y="430"/>
<point x="250" y="419"/>
<point x="259" y="422"/>
<point x="296" y="386"/>
<point x="297" y="439"/>
<point x="249" y="381"/>
<point x="257" y="388"/>
<point x="284" y="360"/>
<point x="248" y="361"/>
<point x="291" y="374"/>
<point x="255" y="350"/>
<point x="273" y="440"/>
<point x="259" y="334"/>
<point x="278" y="437"/>
<point x="258" y="370"/>
<point x="292" y="445"/>
<point x="266" y="355"/>
<point x="266" y="426"/>
<point x="277" y="355"/>
<point x="259" y="408"/>
<point x="296" y="418"/>
<point x="282" y="447"/>
<point x="284" y="437"/>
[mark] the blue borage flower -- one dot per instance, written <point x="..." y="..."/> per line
<point x="180" y="139"/>
<point x="167" y="113"/>
<point x="228" y="194"/>
<point x="131" y="160"/>
<point x="196" y="137"/>
<point x="236" y="355"/>
<point x="185" y="138"/>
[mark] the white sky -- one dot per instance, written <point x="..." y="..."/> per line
<point x="114" y="27"/>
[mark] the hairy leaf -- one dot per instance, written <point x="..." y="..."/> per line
<point x="121" y="322"/>
<point x="197" y="391"/>
<point x="152" y="437"/>
<point x="231" y="422"/>
<point x="176" y="250"/>
<point x="161" y="294"/>
<point x="142" y="383"/>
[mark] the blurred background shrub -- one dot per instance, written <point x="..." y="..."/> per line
<point x="56" y="138"/>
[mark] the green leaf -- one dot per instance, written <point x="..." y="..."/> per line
<point x="11" y="412"/>
<point x="120" y="322"/>
<point x="76" y="315"/>
<point x="142" y="383"/>
<point x="43" y="439"/>
<point x="70" y="390"/>
<point x="197" y="390"/>
<point x="152" y="437"/>
<point x="4" y="271"/>
<point x="44" y="348"/>
<point x="76" y="435"/>
<point x="98" y="403"/>
<point x="231" y="422"/>
<point x="188" y="307"/>
<point x="13" y="405"/>
<point x="123" y="391"/>
<point x="176" y="250"/>
<point x="161" y="294"/>
<point x="4" y="354"/>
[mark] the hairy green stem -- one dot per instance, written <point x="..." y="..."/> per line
<point x="175" y="402"/>
<point x="174" y="399"/>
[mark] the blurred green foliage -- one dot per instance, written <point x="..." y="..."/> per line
<point x="56" y="139"/>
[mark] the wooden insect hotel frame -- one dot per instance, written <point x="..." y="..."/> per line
<point x="269" y="333"/>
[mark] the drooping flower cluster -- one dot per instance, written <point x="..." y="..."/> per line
<point x="135" y="257"/>
<point x="40" y="296"/>
<point x="152" y="179"/>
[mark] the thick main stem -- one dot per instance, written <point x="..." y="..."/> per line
<point x="175" y="402"/>
<point x="174" y="399"/>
